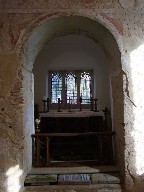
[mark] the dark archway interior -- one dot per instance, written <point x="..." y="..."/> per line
<point x="83" y="26"/>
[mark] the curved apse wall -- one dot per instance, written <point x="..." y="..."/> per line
<point x="73" y="52"/>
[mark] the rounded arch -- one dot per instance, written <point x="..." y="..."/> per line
<point x="43" y="22"/>
<point x="96" y="27"/>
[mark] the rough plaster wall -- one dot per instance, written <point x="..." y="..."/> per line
<point x="123" y="18"/>
<point x="15" y="136"/>
<point x="10" y="121"/>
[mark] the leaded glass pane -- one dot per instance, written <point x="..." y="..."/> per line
<point x="71" y="88"/>
<point x="56" y="87"/>
<point x="85" y="87"/>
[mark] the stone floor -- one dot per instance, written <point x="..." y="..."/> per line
<point x="76" y="169"/>
<point x="76" y="188"/>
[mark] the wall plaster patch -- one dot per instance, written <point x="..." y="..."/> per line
<point x="20" y="5"/>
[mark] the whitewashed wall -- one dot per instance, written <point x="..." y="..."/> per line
<point x="72" y="52"/>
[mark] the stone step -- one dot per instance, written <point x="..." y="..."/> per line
<point x="75" y="188"/>
<point x="76" y="179"/>
<point x="77" y="169"/>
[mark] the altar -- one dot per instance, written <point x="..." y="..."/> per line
<point x="76" y="136"/>
<point x="72" y="122"/>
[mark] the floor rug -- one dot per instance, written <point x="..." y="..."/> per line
<point x="74" y="179"/>
<point x="43" y="179"/>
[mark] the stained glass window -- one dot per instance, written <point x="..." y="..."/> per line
<point x="71" y="88"/>
<point x="56" y="87"/>
<point x="85" y="87"/>
<point x="70" y="85"/>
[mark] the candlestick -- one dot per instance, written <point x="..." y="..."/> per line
<point x="95" y="102"/>
<point x="105" y="113"/>
<point x="59" y="105"/>
<point x="80" y="100"/>
<point x="69" y="105"/>
<point x="37" y="122"/>
<point x="91" y="100"/>
<point x="44" y="105"/>
<point x="47" y="104"/>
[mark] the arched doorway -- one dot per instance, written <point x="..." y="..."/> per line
<point x="83" y="26"/>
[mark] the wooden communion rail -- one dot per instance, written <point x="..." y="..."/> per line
<point x="101" y="141"/>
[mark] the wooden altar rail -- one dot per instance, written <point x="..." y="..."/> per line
<point x="105" y="140"/>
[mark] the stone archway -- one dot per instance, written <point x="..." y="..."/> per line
<point x="64" y="25"/>
<point x="19" y="22"/>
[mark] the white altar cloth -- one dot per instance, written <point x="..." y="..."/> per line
<point x="74" y="113"/>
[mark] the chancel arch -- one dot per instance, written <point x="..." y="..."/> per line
<point x="26" y="28"/>
<point x="82" y="26"/>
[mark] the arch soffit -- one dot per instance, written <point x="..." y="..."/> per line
<point x="97" y="28"/>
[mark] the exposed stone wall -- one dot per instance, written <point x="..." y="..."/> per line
<point x="16" y="121"/>
<point x="11" y="115"/>
<point x="18" y="19"/>
<point x="118" y="117"/>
